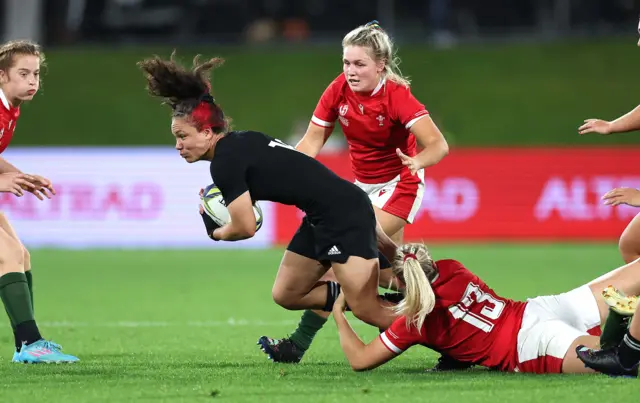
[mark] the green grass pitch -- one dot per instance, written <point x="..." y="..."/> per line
<point x="173" y="326"/>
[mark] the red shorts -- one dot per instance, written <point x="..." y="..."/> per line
<point x="401" y="196"/>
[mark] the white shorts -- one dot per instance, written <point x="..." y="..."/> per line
<point x="550" y="324"/>
<point x="401" y="196"/>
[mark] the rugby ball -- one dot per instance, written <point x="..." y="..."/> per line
<point x="215" y="207"/>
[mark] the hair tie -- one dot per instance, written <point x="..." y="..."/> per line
<point x="373" y="24"/>
<point x="206" y="97"/>
<point x="409" y="255"/>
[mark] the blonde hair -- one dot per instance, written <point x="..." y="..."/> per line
<point x="373" y="37"/>
<point x="9" y="50"/>
<point x="414" y="266"/>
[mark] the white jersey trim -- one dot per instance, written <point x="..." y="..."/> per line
<point x="413" y="121"/>
<point x="4" y="100"/>
<point x="321" y="122"/>
<point x="379" y="86"/>
<point x="417" y="202"/>
<point x="388" y="343"/>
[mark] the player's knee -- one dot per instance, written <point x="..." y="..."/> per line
<point x="283" y="297"/>
<point x="629" y="247"/>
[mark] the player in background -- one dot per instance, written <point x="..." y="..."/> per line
<point x="340" y="227"/>
<point x="20" y="63"/>
<point x="630" y="240"/>
<point x="620" y="352"/>
<point x="381" y="120"/>
<point x="451" y="310"/>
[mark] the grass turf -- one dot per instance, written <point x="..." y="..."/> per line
<point x="182" y="325"/>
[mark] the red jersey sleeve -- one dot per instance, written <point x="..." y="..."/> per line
<point x="326" y="111"/>
<point x="405" y="108"/>
<point x="399" y="337"/>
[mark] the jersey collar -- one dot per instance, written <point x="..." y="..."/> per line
<point x="4" y="100"/>
<point x="380" y="85"/>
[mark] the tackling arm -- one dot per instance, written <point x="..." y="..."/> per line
<point x="361" y="357"/>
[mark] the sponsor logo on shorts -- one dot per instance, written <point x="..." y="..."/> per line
<point x="334" y="251"/>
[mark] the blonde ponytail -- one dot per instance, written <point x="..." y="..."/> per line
<point x="414" y="266"/>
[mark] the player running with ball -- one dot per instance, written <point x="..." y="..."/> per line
<point x="340" y="227"/>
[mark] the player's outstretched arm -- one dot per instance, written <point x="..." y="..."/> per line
<point x="243" y="220"/>
<point x="6" y="167"/>
<point x="361" y="357"/>
<point x="623" y="195"/>
<point x="314" y="139"/>
<point x="625" y="123"/>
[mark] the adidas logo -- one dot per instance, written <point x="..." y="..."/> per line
<point x="334" y="251"/>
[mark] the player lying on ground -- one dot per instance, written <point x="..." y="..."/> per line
<point x="339" y="229"/>
<point x="451" y="310"/>
<point x="381" y="121"/>
<point x="20" y="63"/>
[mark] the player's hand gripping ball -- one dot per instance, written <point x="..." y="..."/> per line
<point x="216" y="208"/>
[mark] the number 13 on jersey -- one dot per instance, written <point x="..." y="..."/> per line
<point x="491" y="308"/>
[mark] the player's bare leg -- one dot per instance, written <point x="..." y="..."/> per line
<point x="616" y="322"/>
<point x="619" y="360"/>
<point x="391" y="225"/>
<point x="622" y="281"/>
<point x="12" y="273"/>
<point x="296" y="285"/>
<point x="292" y="348"/>
<point x="16" y="297"/>
<point x="629" y="244"/>
<point x="625" y="279"/>
<point x="571" y="364"/>
<point x="5" y="225"/>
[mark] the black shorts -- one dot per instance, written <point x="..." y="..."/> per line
<point x="333" y="244"/>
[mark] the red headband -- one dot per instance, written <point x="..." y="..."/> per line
<point x="409" y="255"/>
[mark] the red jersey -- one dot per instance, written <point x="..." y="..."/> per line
<point x="470" y="322"/>
<point x="8" y="119"/>
<point x="374" y="125"/>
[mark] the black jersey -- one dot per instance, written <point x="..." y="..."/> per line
<point x="272" y="170"/>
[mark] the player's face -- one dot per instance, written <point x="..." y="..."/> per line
<point x="360" y="70"/>
<point x="22" y="80"/>
<point x="190" y="143"/>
